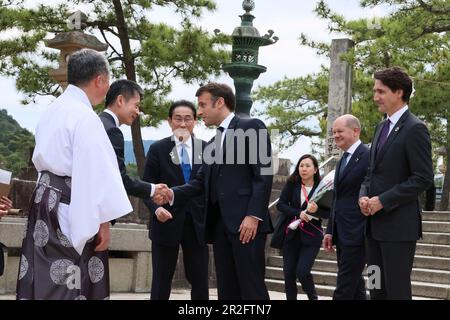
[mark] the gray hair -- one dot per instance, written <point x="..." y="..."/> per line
<point x="84" y="65"/>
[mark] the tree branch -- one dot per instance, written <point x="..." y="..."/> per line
<point x="109" y="44"/>
<point x="432" y="9"/>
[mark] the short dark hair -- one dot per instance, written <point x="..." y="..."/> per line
<point x="182" y="103"/>
<point x="396" y="78"/>
<point x="124" y="87"/>
<point x="219" y="90"/>
<point x="84" y="65"/>
<point x="295" y="176"/>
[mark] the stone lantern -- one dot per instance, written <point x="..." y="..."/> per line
<point x="244" y="67"/>
<point x="71" y="41"/>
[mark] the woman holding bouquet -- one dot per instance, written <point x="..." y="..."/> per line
<point x="302" y="244"/>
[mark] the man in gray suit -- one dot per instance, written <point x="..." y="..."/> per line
<point x="400" y="170"/>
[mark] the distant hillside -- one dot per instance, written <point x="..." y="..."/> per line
<point x="129" y="153"/>
<point x="15" y="144"/>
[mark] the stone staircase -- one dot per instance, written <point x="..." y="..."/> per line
<point x="431" y="270"/>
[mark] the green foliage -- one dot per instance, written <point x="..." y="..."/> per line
<point x="414" y="36"/>
<point x="132" y="170"/>
<point x="294" y="104"/>
<point x="15" y="144"/>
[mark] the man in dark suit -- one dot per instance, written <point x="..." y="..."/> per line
<point x="173" y="161"/>
<point x="236" y="181"/>
<point x="346" y="225"/>
<point x="122" y="107"/>
<point x="400" y="169"/>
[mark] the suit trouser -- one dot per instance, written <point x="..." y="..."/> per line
<point x="395" y="260"/>
<point x="298" y="260"/>
<point x="350" y="282"/>
<point x="195" y="259"/>
<point x="240" y="268"/>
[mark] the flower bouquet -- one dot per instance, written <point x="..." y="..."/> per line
<point x="323" y="195"/>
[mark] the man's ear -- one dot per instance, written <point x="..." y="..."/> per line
<point x="120" y="100"/>
<point x="220" y="103"/>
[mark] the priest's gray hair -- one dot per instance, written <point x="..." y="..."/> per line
<point x="84" y="65"/>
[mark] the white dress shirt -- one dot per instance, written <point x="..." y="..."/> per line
<point x="352" y="150"/>
<point x="395" y="117"/>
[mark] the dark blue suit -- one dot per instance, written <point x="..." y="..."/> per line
<point x="134" y="187"/>
<point x="300" y="247"/>
<point x="347" y="226"/>
<point x="399" y="172"/>
<point x="186" y="228"/>
<point x="243" y="188"/>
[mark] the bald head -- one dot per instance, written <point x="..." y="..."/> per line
<point x="346" y="131"/>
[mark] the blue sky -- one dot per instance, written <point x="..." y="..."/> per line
<point x="288" y="19"/>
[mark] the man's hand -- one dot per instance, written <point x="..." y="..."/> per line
<point x="248" y="229"/>
<point x="364" y="205"/>
<point x="5" y="205"/>
<point x="162" y="214"/>
<point x="103" y="237"/>
<point x="375" y="205"/>
<point x="327" y="243"/>
<point x="162" y="194"/>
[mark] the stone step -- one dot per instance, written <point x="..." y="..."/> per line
<point x="418" y="274"/>
<point x="419" y="288"/>
<point x="435" y="238"/>
<point x="322" y="290"/>
<point x="437" y="250"/>
<point x="436" y="216"/>
<point x="425" y="249"/>
<point x="436" y="226"/>
<point x="422" y="262"/>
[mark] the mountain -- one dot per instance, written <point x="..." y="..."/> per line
<point x="16" y="144"/>
<point x="129" y="153"/>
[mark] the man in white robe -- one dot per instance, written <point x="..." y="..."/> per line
<point x="79" y="191"/>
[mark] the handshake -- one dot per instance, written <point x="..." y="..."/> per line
<point x="163" y="194"/>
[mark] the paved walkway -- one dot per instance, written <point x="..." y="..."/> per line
<point x="178" y="294"/>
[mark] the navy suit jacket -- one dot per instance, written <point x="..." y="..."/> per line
<point x="244" y="186"/>
<point x="134" y="187"/>
<point x="163" y="166"/>
<point x="347" y="223"/>
<point x="398" y="173"/>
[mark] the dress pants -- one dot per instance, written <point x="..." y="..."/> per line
<point x="395" y="260"/>
<point x="195" y="258"/>
<point x="240" y="268"/>
<point x="298" y="260"/>
<point x="350" y="283"/>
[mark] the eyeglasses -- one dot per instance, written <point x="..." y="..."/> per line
<point x="179" y="120"/>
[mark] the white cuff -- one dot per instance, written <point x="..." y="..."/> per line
<point x="152" y="190"/>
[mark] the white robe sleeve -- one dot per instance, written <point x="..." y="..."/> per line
<point x="98" y="194"/>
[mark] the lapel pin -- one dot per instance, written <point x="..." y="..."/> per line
<point x="396" y="129"/>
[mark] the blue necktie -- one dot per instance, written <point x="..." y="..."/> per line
<point x="343" y="163"/>
<point x="185" y="164"/>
